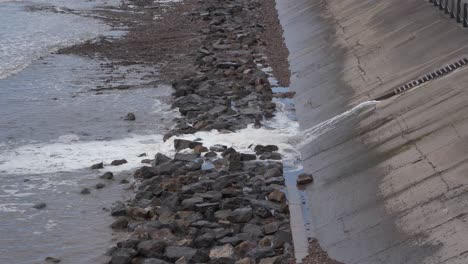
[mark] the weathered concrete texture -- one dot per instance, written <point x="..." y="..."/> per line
<point x="391" y="185"/>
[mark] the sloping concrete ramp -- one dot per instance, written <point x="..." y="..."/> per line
<point x="391" y="183"/>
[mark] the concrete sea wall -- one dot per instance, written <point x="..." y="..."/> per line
<point x="391" y="184"/>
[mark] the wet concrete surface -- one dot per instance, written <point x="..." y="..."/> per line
<point x="390" y="184"/>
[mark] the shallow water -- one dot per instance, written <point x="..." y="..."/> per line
<point x="26" y="36"/>
<point x="54" y="125"/>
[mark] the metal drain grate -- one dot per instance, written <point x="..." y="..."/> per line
<point x="428" y="77"/>
<point x="454" y="9"/>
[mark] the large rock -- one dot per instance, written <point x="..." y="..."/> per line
<point x="118" y="162"/>
<point x="244" y="248"/>
<point x="277" y="196"/>
<point x="151" y="248"/>
<point x="260" y="149"/>
<point x="191" y="202"/>
<point x="254" y="231"/>
<point x="97" y="166"/>
<point x="107" y="176"/>
<point x="122" y="256"/>
<point x="271" y="228"/>
<point x="169" y="167"/>
<point x="273" y="173"/>
<point x="175" y="252"/>
<point x="145" y="172"/>
<point x="218" y="148"/>
<point x="204" y="241"/>
<point x="160" y="159"/>
<point x="40" y="206"/>
<point x="272" y="260"/>
<point x="120" y="223"/>
<point x="303" y="179"/>
<point x="154" y="261"/>
<point x="248" y="157"/>
<point x="234" y="162"/>
<point x="180" y="144"/>
<point x="130" y="117"/>
<point x="186" y="156"/>
<point x="241" y="215"/>
<point x="118" y="209"/>
<point x="225" y="251"/>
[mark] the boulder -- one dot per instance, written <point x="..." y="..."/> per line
<point x="244" y="248"/>
<point x="120" y="223"/>
<point x="241" y="215"/>
<point x="180" y="144"/>
<point x="260" y="149"/>
<point x="52" y="260"/>
<point x="107" y="176"/>
<point x="186" y="157"/>
<point x="40" y="206"/>
<point x="303" y="179"/>
<point x="254" y="231"/>
<point x="176" y="252"/>
<point x="273" y="173"/>
<point x="225" y="251"/>
<point x="160" y="159"/>
<point x="218" y="148"/>
<point x="272" y="260"/>
<point x="248" y="157"/>
<point x="118" y="209"/>
<point x="270" y="156"/>
<point x="97" y="166"/>
<point x="277" y="196"/>
<point x="245" y="261"/>
<point x="154" y="261"/>
<point x="122" y="256"/>
<point x="118" y="162"/>
<point x="130" y="117"/>
<point x="271" y="228"/>
<point x="204" y="241"/>
<point x="169" y="167"/>
<point x="145" y="172"/>
<point x="191" y="202"/>
<point x="151" y="248"/>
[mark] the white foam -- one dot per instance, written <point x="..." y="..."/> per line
<point x="68" y="153"/>
<point x="275" y="131"/>
<point x="69" y="156"/>
<point x="13" y="207"/>
<point x="309" y="135"/>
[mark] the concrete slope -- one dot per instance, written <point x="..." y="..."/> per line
<point x="391" y="183"/>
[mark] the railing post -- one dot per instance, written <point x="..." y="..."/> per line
<point x="465" y="14"/>
<point x="458" y="11"/>
<point x="452" y="9"/>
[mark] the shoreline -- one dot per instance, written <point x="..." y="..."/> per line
<point x="213" y="208"/>
<point x="234" y="57"/>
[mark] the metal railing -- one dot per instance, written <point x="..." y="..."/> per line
<point x="454" y="8"/>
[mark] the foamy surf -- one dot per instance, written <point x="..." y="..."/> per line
<point x="307" y="136"/>
<point x="68" y="153"/>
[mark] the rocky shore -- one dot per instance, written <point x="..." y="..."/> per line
<point x="209" y="204"/>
